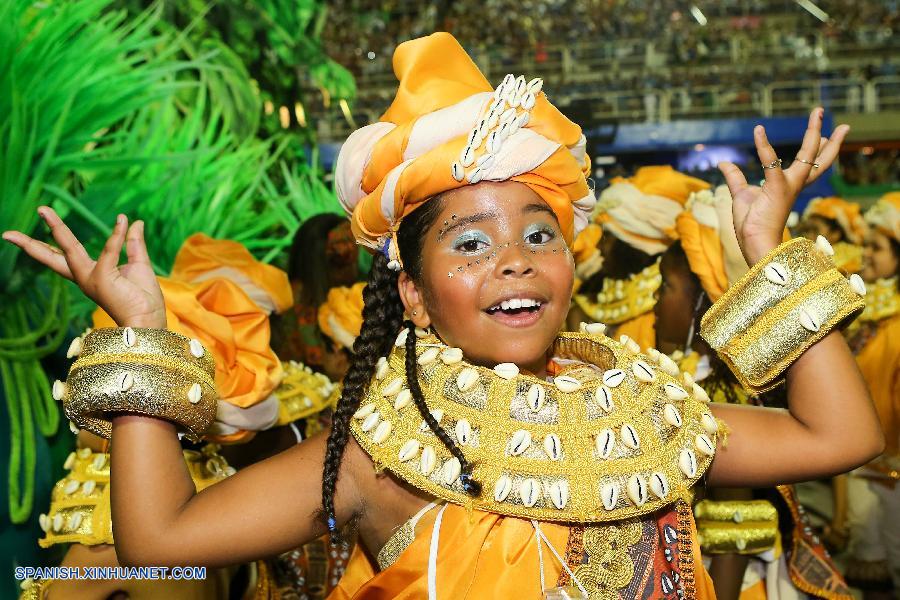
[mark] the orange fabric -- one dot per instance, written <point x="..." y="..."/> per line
<point x="703" y="250"/>
<point x="879" y="363"/>
<point x="201" y="256"/>
<point x="641" y="329"/>
<point x="586" y="243"/>
<point x="479" y="556"/>
<point x="847" y="215"/>
<point x="343" y="309"/>
<point x="434" y="73"/>
<point x="663" y="180"/>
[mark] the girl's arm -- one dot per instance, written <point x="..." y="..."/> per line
<point x="830" y="425"/>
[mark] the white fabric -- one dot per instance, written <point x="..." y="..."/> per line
<point x="341" y="335"/>
<point x="351" y="165"/>
<point x="433" y="553"/>
<point x="439" y="127"/>
<point x="259" y="296"/>
<point x="258" y="417"/>
<point x="636" y="216"/>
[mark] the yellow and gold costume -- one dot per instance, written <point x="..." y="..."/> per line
<point x="848" y="216"/>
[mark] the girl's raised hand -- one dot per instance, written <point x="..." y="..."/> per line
<point x="760" y="212"/>
<point x="129" y="293"/>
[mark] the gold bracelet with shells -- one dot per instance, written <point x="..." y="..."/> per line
<point x="736" y="526"/>
<point x="152" y="372"/>
<point x="786" y="303"/>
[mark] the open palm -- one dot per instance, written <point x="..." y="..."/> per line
<point x="760" y="212"/>
<point x="129" y="293"/>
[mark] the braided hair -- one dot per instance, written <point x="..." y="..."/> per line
<point x="382" y="319"/>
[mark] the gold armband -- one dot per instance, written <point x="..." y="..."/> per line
<point x="736" y="526"/>
<point x="151" y="372"/>
<point x="786" y="303"/>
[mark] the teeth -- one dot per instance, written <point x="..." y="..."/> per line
<point x="504" y="305"/>
<point x="637" y="490"/>
<point x="519" y="442"/>
<point x="603" y="396"/>
<point x="605" y="442"/>
<point x="452" y="469"/>
<point x="536" y="396"/>
<point x="609" y="494"/>
<point x="515" y="303"/>
<point x="674" y="391"/>
<point x="364" y="411"/>
<point x="382" y="432"/>
<point x="403" y="399"/>
<point x="506" y="370"/>
<point x="463" y="431"/>
<point x="659" y="485"/>
<point x="567" y="384"/>
<point x="529" y="490"/>
<point x="502" y="488"/>
<point x="409" y="450"/>
<point x="427" y="461"/>
<point x="559" y="494"/>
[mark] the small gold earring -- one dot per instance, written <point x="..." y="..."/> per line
<point x="415" y="313"/>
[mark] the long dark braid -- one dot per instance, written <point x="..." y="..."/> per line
<point x="470" y="485"/>
<point x="382" y="320"/>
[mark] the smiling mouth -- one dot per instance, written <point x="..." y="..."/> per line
<point x="517" y="312"/>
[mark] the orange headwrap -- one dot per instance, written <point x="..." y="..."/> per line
<point x="846" y="214"/>
<point x="641" y="211"/>
<point x="885" y="215"/>
<point x="219" y="294"/>
<point x="340" y="316"/>
<point x="706" y="231"/>
<point x="447" y="128"/>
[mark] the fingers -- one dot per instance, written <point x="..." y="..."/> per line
<point x="733" y="177"/>
<point x="829" y="151"/>
<point x="135" y="247"/>
<point x="799" y="170"/>
<point x="765" y="151"/>
<point x="80" y="264"/>
<point x="41" y="252"/>
<point x="112" y="250"/>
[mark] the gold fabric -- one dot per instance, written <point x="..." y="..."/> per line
<point x="621" y="300"/>
<point x="848" y="257"/>
<point x="145" y="371"/>
<point x="882" y="300"/>
<point x="736" y="526"/>
<point x="557" y="475"/>
<point x="303" y="393"/>
<point x="757" y="327"/>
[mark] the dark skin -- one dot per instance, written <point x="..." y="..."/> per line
<point x="160" y="520"/>
<point x="814" y="226"/>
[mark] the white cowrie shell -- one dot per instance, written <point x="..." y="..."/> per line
<point x="403" y="399"/>
<point x="492" y="119"/>
<point x="709" y="423"/>
<point x="529" y="491"/>
<point x="737" y="517"/>
<point x="381" y="368"/>
<point x="70" y="462"/>
<point x="475" y="175"/>
<point x="521" y="86"/>
<point x="71" y="486"/>
<point x="687" y="462"/>
<point x="508" y="115"/>
<point x="88" y="487"/>
<point x="74" y="521"/>
<point x="637" y="490"/>
<point x="74" y="348"/>
<point x="73" y="427"/>
<point x="229" y="471"/>
<point x="59" y="390"/>
<point x="603" y="397"/>
<point x="809" y="320"/>
<point x="427" y="461"/>
<point x="45" y="522"/>
<point x="522" y="120"/>
<point x="741" y="543"/>
<point x="126" y="380"/>
<point x="129" y="337"/>
<point x="502" y="488"/>
<point x="493" y="143"/>
<point x="605" y="442"/>
<point x="642" y="371"/>
<point x="503" y="131"/>
<point x="99" y="462"/>
<point x="451" y="356"/>
<point x="519" y="442"/>
<point x="857" y="284"/>
<point x="429" y="356"/>
<point x="675" y="392"/>
<point x="483" y="128"/>
<point x="671" y="415"/>
<point x="595" y="328"/>
<point x="452" y="470"/>
<point x="630" y="437"/>
<point x="609" y="495"/>
<point x="536" y="396"/>
<point x="466" y="379"/>
<point x="699" y="393"/>
<point x="777" y="273"/>
<point x="83" y="452"/>
<point x="654" y="354"/>
<point x="392" y="388"/>
<point x="668" y="365"/>
<point x="534" y="86"/>
<point x="364" y="411"/>
<point x="422" y="333"/>
<point x="57" y="522"/>
<point x="194" y="394"/>
<point x="688" y="379"/>
<point x="463" y="431"/>
<point x="394" y="265"/>
<point x="824" y="246"/>
<point x="467" y="156"/>
<point x="382" y="432"/>
<point x="613" y="377"/>
<point x="659" y="485"/>
<point x="506" y="370"/>
<point x="401" y="338"/>
<point x="409" y="450"/>
<point x="630" y="345"/>
<point x="438" y="415"/>
<point x="566" y="384"/>
<point x="457" y="171"/>
<point x="370" y="421"/>
<point x="553" y="446"/>
<point x="196" y="348"/>
<point x="704" y="444"/>
<point x="528" y="101"/>
<point x="485" y="161"/>
<point x="559" y="494"/>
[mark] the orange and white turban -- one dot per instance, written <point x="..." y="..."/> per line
<point x="885" y="215"/>
<point x="340" y="316"/>
<point x="642" y="209"/>
<point x="847" y="215"/>
<point x="446" y="128"/>
<point x="706" y="231"/>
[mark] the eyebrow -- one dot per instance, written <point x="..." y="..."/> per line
<point x="464" y="221"/>
<point x="535" y="207"/>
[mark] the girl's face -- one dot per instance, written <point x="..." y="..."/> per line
<point x="814" y="226"/>
<point x="879" y="259"/>
<point x="674" y="308"/>
<point x="496" y="275"/>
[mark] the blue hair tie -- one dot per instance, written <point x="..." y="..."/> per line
<point x="332" y="524"/>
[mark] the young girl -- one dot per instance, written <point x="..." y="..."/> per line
<point x="841" y="223"/>
<point x="474" y="448"/>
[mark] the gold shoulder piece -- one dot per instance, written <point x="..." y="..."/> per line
<point x="623" y="299"/>
<point x="613" y="437"/>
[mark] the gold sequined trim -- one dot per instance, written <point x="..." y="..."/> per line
<point x="882" y="300"/>
<point x="736" y="526"/>
<point x="621" y="300"/>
